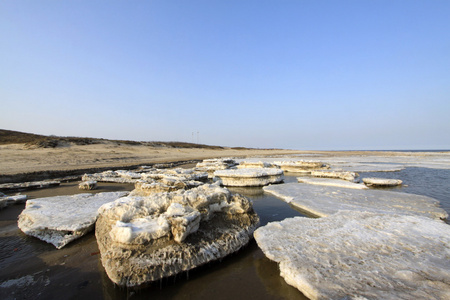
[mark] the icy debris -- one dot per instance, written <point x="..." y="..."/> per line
<point x="143" y="239"/>
<point x="28" y="185"/>
<point x="9" y="200"/>
<point x="345" y="175"/>
<point x="62" y="219"/>
<point x="249" y="177"/>
<point x="300" y="165"/>
<point x="331" y="182"/>
<point x="381" y="182"/>
<point x="323" y="201"/>
<point x="88" y="185"/>
<point x="255" y="164"/>
<point x="212" y="165"/>
<point x="361" y="255"/>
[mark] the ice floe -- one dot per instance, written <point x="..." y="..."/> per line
<point x="322" y="201"/>
<point x="332" y="182"/>
<point x="249" y="177"/>
<point x="361" y="255"/>
<point x="111" y="176"/>
<point x="142" y="239"/>
<point x="381" y="182"/>
<point x="300" y="165"/>
<point x="6" y="200"/>
<point x="212" y="165"/>
<point x="88" y="185"/>
<point x="28" y="185"/>
<point x="345" y="175"/>
<point x="61" y="219"/>
<point x="255" y="164"/>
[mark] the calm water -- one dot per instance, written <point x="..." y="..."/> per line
<point x="75" y="271"/>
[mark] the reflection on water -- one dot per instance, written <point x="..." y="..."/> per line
<point x="75" y="271"/>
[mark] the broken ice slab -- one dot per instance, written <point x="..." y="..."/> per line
<point x="143" y="239"/>
<point x="250" y="177"/>
<point x="381" y="182"/>
<point x="61" y="219"/>
<point x="6" y="200"/>
<point x="28" y="185"/>
<point x="361" y="255"/>
<point x="322" y="201"/>
<point x="255" y="164"/>
<point x="345" y="175"/>
<point x="88" y="185"/>
<point x="300" y="165"/>
<point x="331" y="182"/>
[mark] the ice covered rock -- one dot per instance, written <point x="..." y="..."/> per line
<point x="62" y="219"/>
<point x="381" y="182"/>
<point x="143" y="239"/>
<point x="300" y="165"/>
<point x="361" y="255"/>
<point x="250" y="177"/>
<point x="212" y="165"/>
<point x="88" y="185"/>
<point x="322" y="201"/>
<point x="345" y="175"/>
<point x="6" y="200"/>
<point x="331" y="182"/>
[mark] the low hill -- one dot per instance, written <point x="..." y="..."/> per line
<point x="43" y="141"/>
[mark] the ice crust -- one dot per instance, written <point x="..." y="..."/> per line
<point x="249" y="176"/>
<point x="361" y="255"/>
<point x="62" y="219"/>
<point x="331" y="182"/>
<point x="143" y="239"/>
<point x="322" y="201"/>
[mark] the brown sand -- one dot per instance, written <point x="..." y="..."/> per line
<point x="16" y="159"/>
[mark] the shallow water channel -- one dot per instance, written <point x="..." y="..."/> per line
<point x="33" y="269"/>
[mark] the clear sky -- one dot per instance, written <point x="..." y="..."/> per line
<point x="312" y="75"/>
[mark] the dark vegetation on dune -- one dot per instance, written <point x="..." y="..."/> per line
<point x="43" y="141"/>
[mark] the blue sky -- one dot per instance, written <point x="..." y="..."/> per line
<point x="310" y="75"/>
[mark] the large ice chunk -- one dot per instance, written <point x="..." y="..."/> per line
<point x="143" y="239"/>
<point x="322" y="201"/>
<point x="250" y="177"/>
<point x="62" y="219"/>
<point x="361" y="255"/>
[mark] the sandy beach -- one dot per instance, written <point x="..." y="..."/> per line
<point x="17" y="160"/>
